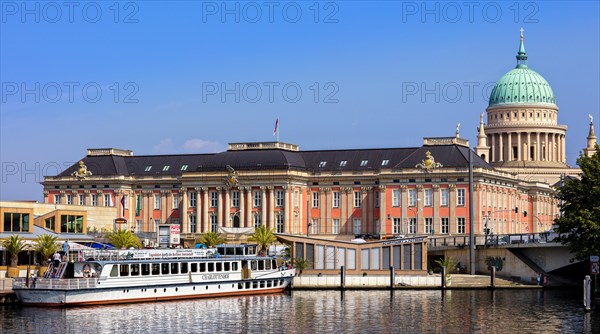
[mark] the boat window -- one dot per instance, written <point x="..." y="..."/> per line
<point x="274" y="264"/>
<point x="239" y="251"/>
<point x="219" y="266"/>
<point x="124" y="270"/>
<point x="247" y="285"/>
<point x="175" y="268"/>
<point x="253" y="265"/>
<point x="262" y="284"/>
<point x="135" y="269"/>
<point x="268" y="264"/>
<point x="164" y="268"/>
<point x="261" y="265"/>
<point x="251" y="250"/>
<point x="203" y="267"/>
<point x="145" y="269"/>
<point x="211" y="266"/>
<point x="269" y="284"/>
<point x="255" y="285"/>
<point x="155" y="269"/>
<point x="194" y="267"/>
<point x="184" y="268"/>
<point x="234" y="266"/>
<point x="114" y="272"/>
<point x="230" y="251"/>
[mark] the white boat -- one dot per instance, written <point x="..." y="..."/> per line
<point x="129" y="276"/>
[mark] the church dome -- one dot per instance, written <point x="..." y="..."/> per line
<point x="522" y="85"/>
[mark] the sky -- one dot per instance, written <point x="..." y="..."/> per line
<point x="178" y="77"/>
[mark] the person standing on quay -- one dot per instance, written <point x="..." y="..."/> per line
<point x="65" y="249"/>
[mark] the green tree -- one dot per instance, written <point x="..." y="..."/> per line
<point x="14" y="245"/>
<point x="211" y="239"/>
<point x="301" y="264"/>
<point x="46" y="245"/>
<point x="123" y="239"/>
<point x="579" y="226"/>
<point x="264" y="238"/>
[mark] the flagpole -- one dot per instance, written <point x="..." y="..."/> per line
<point x="278" y="129"/>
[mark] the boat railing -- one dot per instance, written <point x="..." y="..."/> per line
<point x="54" y="283"/>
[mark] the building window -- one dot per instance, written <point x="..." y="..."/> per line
<point x="257" y="199"/>
<point x="156" y="201"/>
<point x="412" y="197"/>
<point x="314" y="226"/>
<point x="322" y="164"/>
<point x="214" y="199"/>
<point x="213" y="223"/>
<point x="94" y="200"/>
<point x="336" y="199"/>
<point x="460" y="226"/>
<point x="192" y="220"/>
<point x="296" y="198"/>
<point x="412" y="225"/>
<point x="343" y="163"/>
<point x="385" y="162"/>
<point x="71" y="224"/>
<point x="315" y="200"/>
<point x="335" y="228"/>
<point x="460" y="197"/>
<point x="444" y="196"/>
<point x="107" y="200"/>
<point x="16" y="222"/>
<point x="81" y="200"/>
<point x="428" y="197"/>
<point x="444" y="223"/>
<point x="50" y="223"/>
<point x="235" y="199"/>
<point x="166" y="168"/>
<point x="184" y="167"/>
<point x="397" y="224"/>
<point x="257" y="220"/>
<point x="148" y="168"/>
<point x="56" y="199"/>
<point x="70" y="199"/>
<point x="357" y="199"/>
<point x="280" y="223"/>
<point x="175" y="201"/>
<point x="279" y="198"/>
<point x="138" y="225"/>
<point x="428" y="225"/>
<point x="377" y="199"/>
<point x="192" y="199"/>
<point x="396" y="197"/>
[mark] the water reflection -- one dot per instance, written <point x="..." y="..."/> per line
<point x="431" y="311"/>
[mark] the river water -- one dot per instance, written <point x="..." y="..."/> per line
<point x="407" y="311"/>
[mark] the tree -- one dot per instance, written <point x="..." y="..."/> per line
<point x="264" y="238"/>
<point x="46" y="245"/>
<point x="301" y="264"/>
<point x="211" y="239"/>
<point x="579" y="225"/>
<point x="123" y="239"/>
<point x="14" y="245"/>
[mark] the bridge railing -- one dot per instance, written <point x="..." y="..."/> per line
<point x="492" y="239"/>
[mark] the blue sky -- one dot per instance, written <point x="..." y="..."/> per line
<point x="161" y="77"/>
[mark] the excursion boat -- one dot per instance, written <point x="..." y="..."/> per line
<point x="129" y="276"/>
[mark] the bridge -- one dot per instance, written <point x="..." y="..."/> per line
<point x="518" y="256"/>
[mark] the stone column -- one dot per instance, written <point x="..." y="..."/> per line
<point x="493" y="140"/>
<point x="519" y="147"/>
<point x="198" y="212"/>
<point x="220" y="191"/>
<point x="322" y="205"/>
<point x="537" y="146"/>
<point x="452" y="205"/>
<point x="528" y="151"/>
<point x="131" y="196"/>
<point x="286" y="210"/>
<point x="509" y="156"/>
<point x="547" y="148"/>
<point x="420" y="218"/>
<point x="87" y="198"/>
<point x="183" y="207"/>
<point x="370" y="213"/>
<point x="205" y="217"/>
<point x="227" y="208"/>
<point x="344" y="212"/>
<point x="271" y="219"/>
<point x="501" y="147"/>
<point x="350" y="209"/>
<point x="242" y="206"/>
<point x="163" y="207"/>
<point x="403" y="209"/>
<point x="436" y="206"/>
<point x="382" y="210"/>
<point x="298" y="223"/>
<point x="363" y="208"/>
<point x="263" y="204"/>
<point x="564" y="151"/>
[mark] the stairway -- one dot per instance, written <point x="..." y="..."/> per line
<point x="552" y="280"/>
<point x="62" y="267"/>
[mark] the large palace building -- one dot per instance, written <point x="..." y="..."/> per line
<point x="422" y="190"/>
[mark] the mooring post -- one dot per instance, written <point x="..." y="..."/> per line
<point x="443" y="277"/>
<point x="392" y="277"/>
<point x="342" y="277"/>
<point x="587" y="296"/>
<point x="493" y="277"/>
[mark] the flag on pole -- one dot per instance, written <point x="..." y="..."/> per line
<point x="123" y="206"/>
<point x="138" y="205"/>
<point x="276" y="126"/>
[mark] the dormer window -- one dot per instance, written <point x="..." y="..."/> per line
<point x="343" y="163"/>
<point x="148" y="168"/>
<point x="184" y="167"/>
<point x="385" y="162"/>
<point x="322" y="164"/>
<point x="166" y="168"/>
<point x="364" y="163"/>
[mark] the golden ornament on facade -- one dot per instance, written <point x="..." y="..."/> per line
<point x="232" y="177"/>
<point x="428" y="163"/>
<point x="82" y="171"/>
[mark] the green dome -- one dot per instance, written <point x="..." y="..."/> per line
<point x="521" y="85"/>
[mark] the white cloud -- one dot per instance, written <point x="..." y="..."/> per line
<point x="196" y="145"/>
<point x="165" y="146"/>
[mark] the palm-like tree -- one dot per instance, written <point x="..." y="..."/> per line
<point x="264" y="238"/>
<point x="123" y="239"/>
<point x="46" y="245"/>
<point x="301" y="264"/>
<point x="14" y="245"/>
<point x="211" y="239"/>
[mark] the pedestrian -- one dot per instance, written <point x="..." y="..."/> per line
<point x="65" y="248"/>
<point x="56" y="259"/>
<point x="539" y="279"/>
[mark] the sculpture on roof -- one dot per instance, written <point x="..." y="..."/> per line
<point x="591" y="119"/>
<point x="428" y="163"/>
<point x="82" y="172"/>
<point x="232" y="177"/>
